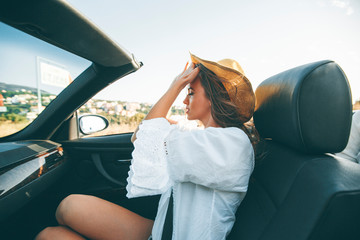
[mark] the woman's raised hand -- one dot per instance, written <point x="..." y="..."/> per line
<point x="187" y="76"/>
<point x="162" y="107"/>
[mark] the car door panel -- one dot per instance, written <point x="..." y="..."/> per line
<point x="99" y="167"/>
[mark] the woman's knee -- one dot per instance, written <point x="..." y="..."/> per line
<point x="68" y="207"/>
<point x="58" y="233"/>
<point x="47" y="233"/>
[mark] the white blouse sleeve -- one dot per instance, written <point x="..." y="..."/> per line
<point x="148" y="173"/>
<point x="218" y="158"/>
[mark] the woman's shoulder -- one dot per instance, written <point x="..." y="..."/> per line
<point x="230" y="136"/>
<point x="228" y="131"/>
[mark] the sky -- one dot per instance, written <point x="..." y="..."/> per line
<point x="265" y="37"/>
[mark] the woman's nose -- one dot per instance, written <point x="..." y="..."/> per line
<point x="186" y="100"/>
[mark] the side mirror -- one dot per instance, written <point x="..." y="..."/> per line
<point x="92" y="123"/>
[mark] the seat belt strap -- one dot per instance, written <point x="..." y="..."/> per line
<point x="168" y="224"/>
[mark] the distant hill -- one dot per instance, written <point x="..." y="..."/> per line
<point x="356" y="105"/>
<point x="14" y="88"/>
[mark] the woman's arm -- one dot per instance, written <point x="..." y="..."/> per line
<point x="161" y="108"/>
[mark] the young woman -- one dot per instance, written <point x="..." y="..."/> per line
<point x="205" y="172"/>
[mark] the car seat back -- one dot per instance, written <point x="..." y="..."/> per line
<point x="298" y="190"/>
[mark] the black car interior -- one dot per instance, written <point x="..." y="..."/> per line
<point x="297" y="190"/>
<point x="30" y="205"/>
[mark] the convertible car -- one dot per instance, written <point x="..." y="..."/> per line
<point x="299" y="190"/>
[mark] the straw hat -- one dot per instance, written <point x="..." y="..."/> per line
<point x="237" y="85"/>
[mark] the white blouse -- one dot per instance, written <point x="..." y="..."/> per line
<point x="208" y="171"/>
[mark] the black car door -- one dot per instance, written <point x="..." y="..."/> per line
<point x="99" y="167"/>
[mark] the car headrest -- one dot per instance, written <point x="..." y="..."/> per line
<point x="308" y="108"/>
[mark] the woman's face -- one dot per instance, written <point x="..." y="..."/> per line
<point x="198" y="106"/>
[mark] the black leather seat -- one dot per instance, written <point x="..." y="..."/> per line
<point x="297" y="191"/>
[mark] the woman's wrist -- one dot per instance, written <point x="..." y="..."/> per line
<point x="177" y="86"/>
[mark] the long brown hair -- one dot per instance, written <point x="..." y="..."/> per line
<point x="224" y="112"/>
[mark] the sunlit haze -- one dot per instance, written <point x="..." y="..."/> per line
<point x="265" y="37"/>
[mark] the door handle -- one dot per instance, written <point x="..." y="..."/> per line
<point x="124" y="160"/>
<point x="97" y="161"/>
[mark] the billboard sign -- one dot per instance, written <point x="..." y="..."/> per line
<point x="53" y="74"/>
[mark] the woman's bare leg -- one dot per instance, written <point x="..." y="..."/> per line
<point x="96" y="218"/>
